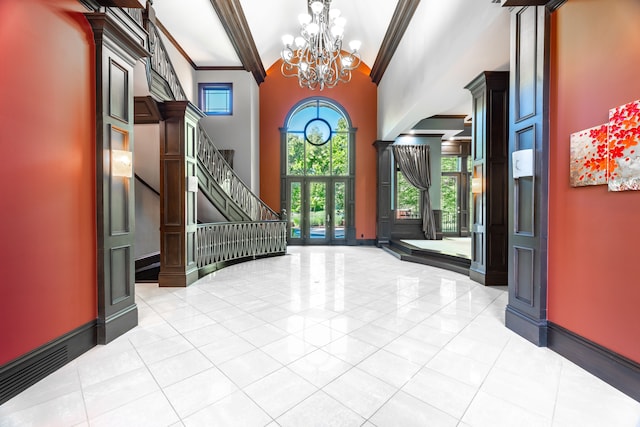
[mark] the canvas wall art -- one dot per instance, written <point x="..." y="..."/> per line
<point x="589" y="157"/>
<point x="624" y="140"/>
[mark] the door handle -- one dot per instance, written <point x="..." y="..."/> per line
<point x="328" y="218"/>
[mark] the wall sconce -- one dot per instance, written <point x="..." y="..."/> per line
<point x="522" y="161"/>
<point x="476" y="185"/>
<point x="121" y="164"/>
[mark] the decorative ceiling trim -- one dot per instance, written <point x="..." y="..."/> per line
<point x="220" y="68"/>
<point x="91" y="5"/>
<point x="134" y="4"/>
<point x="175" y="43"/>
<point x="235" y="24"/>
<point x="186" y="56"/>
<point x="552" y="5"/>
<point x="398" y="25"/>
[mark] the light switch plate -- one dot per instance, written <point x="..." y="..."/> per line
<point x="192" y="184"/>
<point x="522" y="161"/>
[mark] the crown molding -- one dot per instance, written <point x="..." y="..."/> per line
<point x="219" y="68"/>
<point x="552" y="5"/>
<point x="397" y="27"/>
<point x="175" y="43"/>
<point x="134" y="4"/>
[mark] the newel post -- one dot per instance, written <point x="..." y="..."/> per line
<point x="178" y="193"/>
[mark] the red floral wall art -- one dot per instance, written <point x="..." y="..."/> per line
<point x="608" y="153"/>
<point x="589" y="157"/>
<point x="624" y="156"/>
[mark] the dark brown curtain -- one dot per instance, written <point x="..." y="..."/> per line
<point x="414" y="162"/>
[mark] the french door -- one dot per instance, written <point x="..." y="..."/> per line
<point x="316" y="210"/>
<point x="455" y="192"/>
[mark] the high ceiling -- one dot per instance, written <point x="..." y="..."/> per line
<point x="197" y="28"/>
<point x="458" y="33"/>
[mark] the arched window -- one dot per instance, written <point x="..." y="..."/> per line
<point x="318" y="173"/>
<point x="317" y="140"/>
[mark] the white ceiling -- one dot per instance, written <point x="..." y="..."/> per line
<point x="443" y="36"/>
<point x="196" y="27"/>
<point x="270" y="20"/>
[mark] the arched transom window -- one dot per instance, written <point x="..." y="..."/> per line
<point x="317" y="140"/>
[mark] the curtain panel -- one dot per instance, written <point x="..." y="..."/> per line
<point x="414" y="162"/>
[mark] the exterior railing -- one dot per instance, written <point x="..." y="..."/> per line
<point x="221" y="242"/>
<point x="231" y="184"/>
<point x="449" y="222"/>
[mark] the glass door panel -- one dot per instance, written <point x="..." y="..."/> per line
<point x="449" y="204"/>
<point x="339" y="196"/>
<point x="295" y="210"/>
<point x="317" y="211"/>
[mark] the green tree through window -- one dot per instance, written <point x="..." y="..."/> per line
<point x="315" y="158"/>
<point x="408" y="198"/>
<point x="317" y="171"/>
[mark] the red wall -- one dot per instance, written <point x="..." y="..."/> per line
<point x="594" y="285"/>
<point x="47" y="174"/>
<point x="359" y="98"/>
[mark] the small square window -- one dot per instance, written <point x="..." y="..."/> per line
<point x="216" y="99"/>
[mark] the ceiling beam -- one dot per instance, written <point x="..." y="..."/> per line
<point x="552" y="5"/>
<point x="235" y="24"/>
<point x="134" y="4"/>
<point x="398" y="25"/>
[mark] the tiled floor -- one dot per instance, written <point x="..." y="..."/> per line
<point x="342" y="336"/>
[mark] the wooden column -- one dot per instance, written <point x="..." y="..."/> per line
<point x="178" y="209"/>
<point x="116" y="52"/>
<point x="528" y="214"/>
<point x="383" y="214"/>
<point x="490" y="112"/>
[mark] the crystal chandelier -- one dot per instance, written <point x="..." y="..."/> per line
<point x="315" y="57"/>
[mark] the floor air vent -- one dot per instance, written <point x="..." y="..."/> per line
<point x="24" y="377"/>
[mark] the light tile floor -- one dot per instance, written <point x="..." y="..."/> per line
<point x="324" y="336"/>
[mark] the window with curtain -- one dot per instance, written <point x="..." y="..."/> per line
<point x="407" y="200"/>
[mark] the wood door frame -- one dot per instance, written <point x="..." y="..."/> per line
<point x="305" y="227"/>
<point x="285" y="179"/>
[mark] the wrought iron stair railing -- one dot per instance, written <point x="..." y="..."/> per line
<point x="220" y="243"/>
<point x="254" y="230"/>
<point x="163" y="67"/>
<point x="229" y="182"/>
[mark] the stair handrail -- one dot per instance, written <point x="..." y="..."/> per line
<point x="136" y="14"/>
<point x="227" y="179"/>
<point x="161" y="63"/>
